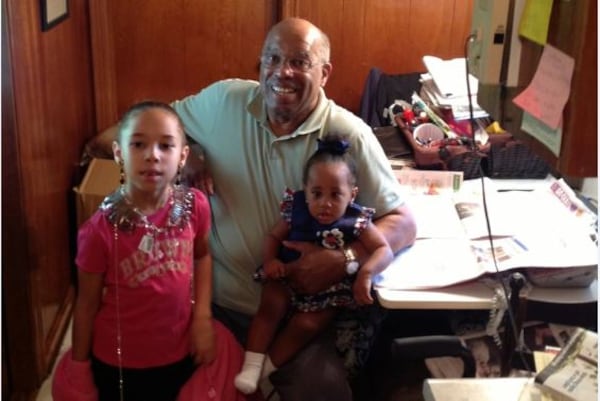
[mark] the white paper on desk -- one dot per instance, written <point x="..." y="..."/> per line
<point x="462" y="215"/>
<point x="545" y="208"/>
<point x="529" y="229"/>
<point x="430" y="263"/>
<point x="435" y="216"/>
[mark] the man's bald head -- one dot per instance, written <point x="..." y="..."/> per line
<point x="306" y="30"/>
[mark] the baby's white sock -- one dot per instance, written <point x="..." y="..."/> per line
<point x="247" y="380"/>
<point x="268" y="368"/>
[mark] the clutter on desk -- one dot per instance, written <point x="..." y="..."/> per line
<point x="473" y="148"/>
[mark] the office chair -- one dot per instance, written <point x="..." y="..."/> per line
<point x="424" y="347"/>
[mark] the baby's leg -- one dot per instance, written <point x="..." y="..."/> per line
<point x="274" y="303"/>
<point x="301" y="328"/>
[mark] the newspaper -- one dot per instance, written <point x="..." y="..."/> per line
<point x="531" y="230"/>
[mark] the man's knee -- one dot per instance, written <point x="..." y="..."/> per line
<point x="316" y="373"/>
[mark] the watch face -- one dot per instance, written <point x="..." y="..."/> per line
<point x="352" y="267"/>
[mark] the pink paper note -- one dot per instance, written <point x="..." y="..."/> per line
<point x="549" y="90"/>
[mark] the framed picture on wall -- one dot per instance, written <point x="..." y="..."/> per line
<point x="53" y="12"/>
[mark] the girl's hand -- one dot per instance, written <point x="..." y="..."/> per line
<point x="362" y="288"/>
<point x="203" y="340"/>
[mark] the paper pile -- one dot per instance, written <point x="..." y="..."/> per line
<point x="445" y="85"/>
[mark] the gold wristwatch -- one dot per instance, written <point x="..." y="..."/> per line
<point x="352" y="264"/>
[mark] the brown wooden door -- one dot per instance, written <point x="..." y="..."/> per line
<point x="47" y="113"/>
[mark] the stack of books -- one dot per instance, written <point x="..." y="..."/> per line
<point x="445" y="86"/>
<point x="572" y="374"/>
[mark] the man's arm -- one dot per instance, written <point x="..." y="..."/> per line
<point x="318" y="268"/>
<point x="101" y="145"/>
<point x="398" y="227"/>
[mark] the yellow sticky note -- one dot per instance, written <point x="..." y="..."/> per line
<point x="535" y="20"/>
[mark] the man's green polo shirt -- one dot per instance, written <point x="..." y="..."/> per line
<point x="251" y="168"/>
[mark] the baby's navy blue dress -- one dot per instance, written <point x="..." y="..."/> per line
<point x="304" y="227"/>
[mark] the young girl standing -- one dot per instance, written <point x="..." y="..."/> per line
<point x="323" y="213"/>
<point x="142" y="318"/>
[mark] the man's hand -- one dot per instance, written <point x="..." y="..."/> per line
<point x="195" y="173"/>
<point x="316" y="269"/>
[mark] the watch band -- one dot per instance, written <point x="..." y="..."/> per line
<point x="352" y="264"/>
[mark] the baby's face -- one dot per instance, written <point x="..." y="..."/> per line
<point x="329" y="191"/>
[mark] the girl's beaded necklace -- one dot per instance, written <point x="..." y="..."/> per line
<point x="152" y="232"/>
<point x="118" y="307"/>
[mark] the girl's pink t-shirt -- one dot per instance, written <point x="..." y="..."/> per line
<point x="152" y="288"/>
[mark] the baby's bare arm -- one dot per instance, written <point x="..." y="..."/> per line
<point x="380" y="257"/>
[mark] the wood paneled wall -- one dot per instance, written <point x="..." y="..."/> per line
<point x="392" y="35"/>
<point x="47" y="115"/>
<point x="167" y="50"/>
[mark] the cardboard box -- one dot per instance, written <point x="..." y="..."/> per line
<point x="101" y="178"/>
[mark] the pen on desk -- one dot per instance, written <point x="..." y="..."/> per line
<point x="514" y="189"/>
<point x="522" y="245"/>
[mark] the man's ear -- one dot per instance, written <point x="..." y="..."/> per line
<point x="326" y="69"/>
